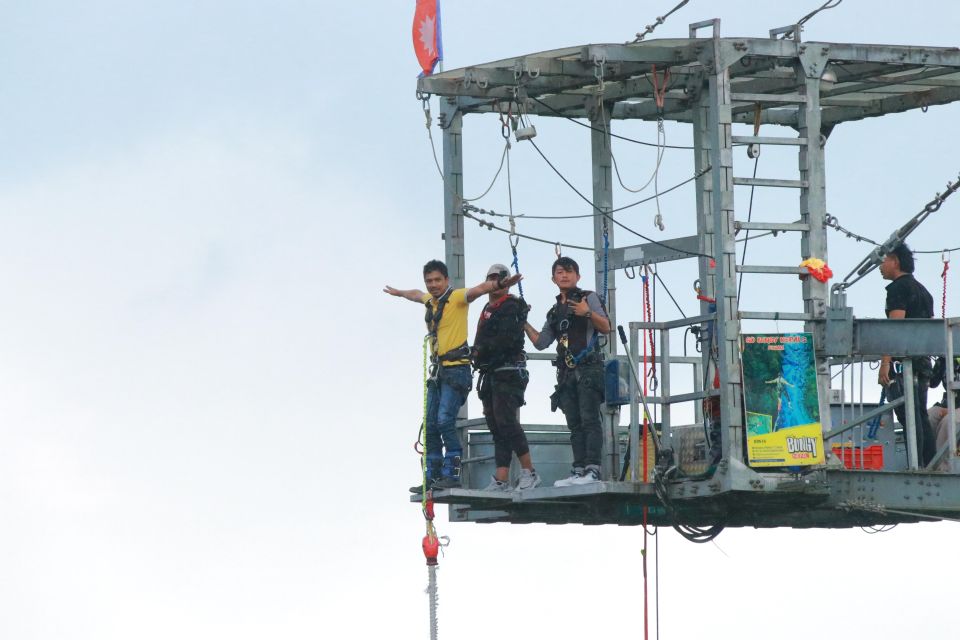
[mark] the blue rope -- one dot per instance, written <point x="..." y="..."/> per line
<point x="516" y="268"/>
<point x="874" y="423"/>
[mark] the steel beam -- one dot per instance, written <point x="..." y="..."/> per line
<point x="453" y="191"/>
<point x="813" y="211"/>
<point x="653" y="252"/>
<point x="719" y="105"/>
<point x="602" y="163"/>
<point x="876" y="337"/>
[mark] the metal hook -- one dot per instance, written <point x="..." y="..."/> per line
<point x="556" y="249"/>
<point x="630" y="272"/>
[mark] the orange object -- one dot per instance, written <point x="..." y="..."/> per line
<point x="431" y="548"/>
<point x="818" y="269"/>
<point x="860" y="457"/>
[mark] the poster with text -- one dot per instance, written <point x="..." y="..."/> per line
<point x="780" y="397"/>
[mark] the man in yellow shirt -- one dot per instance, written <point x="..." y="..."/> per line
<point x="450" y="375"/>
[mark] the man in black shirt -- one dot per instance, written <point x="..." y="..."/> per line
<point x="907" y="298"/>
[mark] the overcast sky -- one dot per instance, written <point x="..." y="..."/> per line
<point x="209" y="406"/>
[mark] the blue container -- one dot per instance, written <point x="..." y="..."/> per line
<point x="616" y="386"/>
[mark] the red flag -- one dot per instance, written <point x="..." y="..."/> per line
<point x="426" y="35"/>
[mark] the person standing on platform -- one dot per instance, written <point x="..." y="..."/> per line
<point x="450" y="377"/>
<point x="575" y="322"/>
<point x="499" y="358"/>
<point x="907" y="298"/>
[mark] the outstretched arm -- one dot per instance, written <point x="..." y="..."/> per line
<point x="487" y="286"/>
<point x="413" y="295"/>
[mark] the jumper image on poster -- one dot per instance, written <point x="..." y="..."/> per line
<point x="780" y="398"/>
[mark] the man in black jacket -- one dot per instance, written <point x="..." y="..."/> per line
<point x="907" y="298"/>
<point x="499" y="357"/>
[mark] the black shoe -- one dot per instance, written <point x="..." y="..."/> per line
<point x="419" y="488"/>
<point x="449" y="482"/>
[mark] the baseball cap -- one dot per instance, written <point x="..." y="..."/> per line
<point x="498" y="269"/>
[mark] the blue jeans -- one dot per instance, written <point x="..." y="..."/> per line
<point x="445" y="396"/>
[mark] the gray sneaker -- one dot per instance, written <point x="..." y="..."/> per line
<point x="496" y="485"/>
<point x="529" y="478"/>
<point x="575" y="473"/>
<point x="590" y="475"/>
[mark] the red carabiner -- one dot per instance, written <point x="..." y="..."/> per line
<point x="428" y="508"/>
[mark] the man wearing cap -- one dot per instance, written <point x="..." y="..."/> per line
<point x="450" y="377"/>
<point x="499" y="357"/>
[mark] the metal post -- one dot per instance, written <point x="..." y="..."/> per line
<point x="453" y="192"/>
<point x="697" y="387"/>
<point x="704" y="196"/>
<point x="910" y="429"/>
<point x="704" y="199"/>
<point x="664" y="360"/>
<point x="813" y="211"/>
<point x="603" y="203"/>
<point x="636" y="451"/>
<point x="728" y="322"/>
<point x="453" y="244"/>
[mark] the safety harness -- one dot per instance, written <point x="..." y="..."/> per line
<point x="432" y="318"/>
<point x="492" y="350"/>
<point x="561" y="321"/>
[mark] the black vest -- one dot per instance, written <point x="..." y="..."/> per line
<point x="576" y="327"/>
<point x="499" y="337"/>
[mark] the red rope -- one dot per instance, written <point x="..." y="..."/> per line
<point x="647" y="339"/>
<point x="660" y="90"/>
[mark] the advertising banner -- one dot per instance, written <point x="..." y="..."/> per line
<point x="780" y="398"/>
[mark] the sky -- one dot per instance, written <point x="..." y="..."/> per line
<point x="209" y="406"/>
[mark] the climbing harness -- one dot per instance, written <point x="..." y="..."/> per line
<point x="432" y="318"/>
<point x="573" y="360"/>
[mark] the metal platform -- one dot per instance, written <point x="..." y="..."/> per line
<point x="715" y="84"/>
<point x="825" y="499"/>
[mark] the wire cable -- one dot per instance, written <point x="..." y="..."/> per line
<point x="466" y="212"/>
<point x="612" y="135"/>
<point x="608" y="213"/>
<point x="664" y="284"/>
